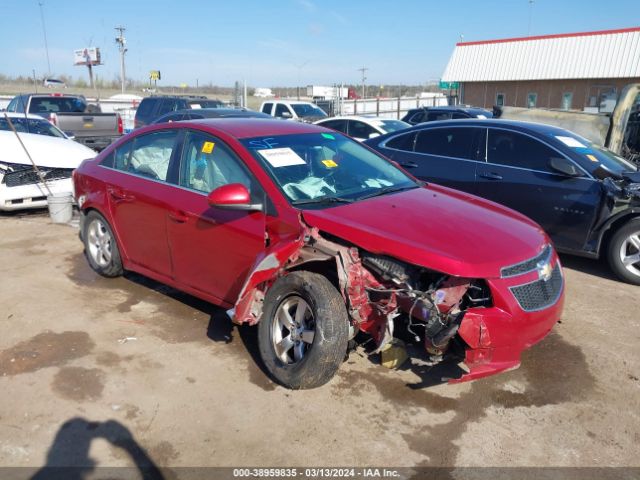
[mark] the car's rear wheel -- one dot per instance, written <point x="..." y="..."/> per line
<point x="304" y="330"/>
<point x="624" y="252"/>
<point x="100" y="246"/>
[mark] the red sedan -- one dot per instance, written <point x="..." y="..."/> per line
<point x="315" y="238"/>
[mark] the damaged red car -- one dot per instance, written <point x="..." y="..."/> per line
<point x="316" y="238"/>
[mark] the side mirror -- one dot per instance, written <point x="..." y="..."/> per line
<point x="374" y="135"/>
<point x="70" y="135"/>
<point x="561" y="165"/>
<point x="233" y="196"/>
<point x="286" y="115"/>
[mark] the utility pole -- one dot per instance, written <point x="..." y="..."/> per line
<point x="121" y="41"/>
<point x="299" y="66"/>
<point x="364" y="78"/>
<point x="530" y="17"/>
<point x="46" y="45"/>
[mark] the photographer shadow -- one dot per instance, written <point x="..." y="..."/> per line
<point x="68" y="457"/>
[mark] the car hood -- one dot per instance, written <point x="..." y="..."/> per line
<point x="44" y="150"/>
<point x="437" y="228"/>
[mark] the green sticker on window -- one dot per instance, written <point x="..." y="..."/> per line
<point x="329" y="136"/>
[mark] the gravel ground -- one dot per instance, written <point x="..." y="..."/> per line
<point x="86" y="362"/>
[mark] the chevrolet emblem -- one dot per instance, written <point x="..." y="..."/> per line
<point x="545" y="270"/>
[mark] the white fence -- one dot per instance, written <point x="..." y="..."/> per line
<point x="389" y="107"/>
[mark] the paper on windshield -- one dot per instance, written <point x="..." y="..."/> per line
<point x="570" y="142"/>
<point x="281" y="157"/>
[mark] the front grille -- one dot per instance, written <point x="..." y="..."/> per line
<point x="528" y="265"/>
<point x="29" y="176"/>
<point x="539" y="294"/>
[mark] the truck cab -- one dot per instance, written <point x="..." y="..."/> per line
<point x="293" y="110"/>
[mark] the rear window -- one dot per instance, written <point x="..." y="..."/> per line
<point x="266" y="108"/>
<point x="146" y="106"/>
<point x="57" y="105"/>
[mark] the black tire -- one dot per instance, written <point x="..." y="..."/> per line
<point x="97" y="258"/>
<point x="616" y="244"/>
<point x="326" y="352"/>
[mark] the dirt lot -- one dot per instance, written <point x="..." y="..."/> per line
<point x="127" y="357"/>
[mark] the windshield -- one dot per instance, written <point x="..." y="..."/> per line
<point x="30" y="125"/>
<point x="304" y="110"/>
<point x="605" y="162"/>
<point x="393" y="125"/>
<point x="57" y="105"/>
<point x="316" y="169"/>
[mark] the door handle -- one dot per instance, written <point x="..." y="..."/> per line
<point x="178" y="216"/>
<point x="409" y="164"/>
<point x="490" y="176"/>
<point x="120" y="196"/>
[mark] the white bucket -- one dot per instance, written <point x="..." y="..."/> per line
<point x="60" y="207"/>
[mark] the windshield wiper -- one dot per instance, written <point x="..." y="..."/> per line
<point x="322" y="200"/>
<point x="390" y="189"/>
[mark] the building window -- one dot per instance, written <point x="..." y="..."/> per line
<point x="500" y="99"/>
<point x="567" y="98"/>
<point x="532" y="99"/>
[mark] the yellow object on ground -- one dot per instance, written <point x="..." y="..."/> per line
<point x="394" y="354"/>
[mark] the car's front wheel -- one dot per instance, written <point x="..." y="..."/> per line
<point x="304" y="330"/>
<point x="624" y="252"/>
<point x="100" y="246"/>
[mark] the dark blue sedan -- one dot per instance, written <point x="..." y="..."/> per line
<point x="584" y="196"/>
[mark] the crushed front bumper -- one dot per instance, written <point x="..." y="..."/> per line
<point x="525" y="309"/>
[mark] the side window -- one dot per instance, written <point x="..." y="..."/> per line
<point x="121" y="156"/>
<point x="402" y="142"/>
<point x="166" y="106"/>
<point x="12" y="105"/>
<point x="449" y="142"/>
<point x="281" y="108"/>
<point x="432" y="116"/>
<point x="108" y="161"/>
<point x="459" y="115"/>
<point x="360" y="130"/>
<point x="338" y="125"/>
<point x="148" y="155"/>
<point x="517" y="150"/>
<point x="417" y="118"/>
<point x="208" y="164"/>
<point x="266" y="108"/>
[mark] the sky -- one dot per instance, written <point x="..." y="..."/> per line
<point x="281" y="42"/>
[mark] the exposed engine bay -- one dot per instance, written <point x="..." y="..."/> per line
<point x="380" y="292"/>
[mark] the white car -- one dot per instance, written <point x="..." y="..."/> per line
<point x="30" y="123"/>
<point x="293" y="110"/>
<point x="54" y="83"/>
<point x="20" y="186"/>
<point x="362" y="128"/>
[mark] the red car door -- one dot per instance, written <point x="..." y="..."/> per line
<point x="212" y="248"/>
<point x="138" y="191"/>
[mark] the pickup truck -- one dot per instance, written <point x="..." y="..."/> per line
<point x="619" y="131"/>
<point x="74" y="116"/>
